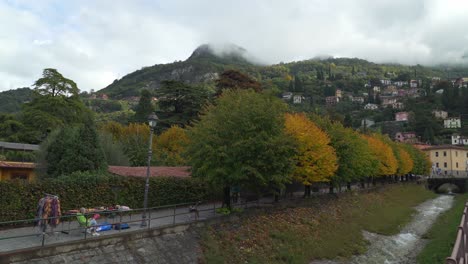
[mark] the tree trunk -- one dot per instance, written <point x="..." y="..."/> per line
<point x="277" y="194"/>
<point x="330" y="190"/>
<point x="348" y="186"/>
<point x="227" y="197"/>
<point x="363" y="184"/>
<point x="307" y="191"/>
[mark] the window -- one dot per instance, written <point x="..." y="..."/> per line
<point x="437" y="154"/>
<point x="456" y="153"/>
<point x="456" y="164"/>
<point x="437" y="164"/>
<point x="445" y="172"/>
<point x="445" y="164"/>
<point x="445" y="153"/>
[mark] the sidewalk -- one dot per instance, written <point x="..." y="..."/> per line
<point x="27" y="237"/>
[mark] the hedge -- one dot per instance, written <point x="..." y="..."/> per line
<point x="18" y="200"/>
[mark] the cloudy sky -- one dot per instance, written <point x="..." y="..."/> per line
<point x="94" y="42"/>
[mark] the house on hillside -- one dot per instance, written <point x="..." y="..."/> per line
<point x="406" y="137"/>
<point x="402" y="92"/>
<point x="453" y="122"/>
<point x="400" y="83"/>
<point x="370" y="106"/>
<point x="339" y="93"/>
<point x="385" y="82"/>
<point x="287" y="95"/>
<point x="401" y="116"/>
<point x="357" y="99"/>
<point x="376" y="89"/>
<point x="390" y="90"/>
<point x="297" y="99"/>
<point x="332" y="100"/>
<point x="440" y="114"/>
<point x="387" y="101"/>
<point x="459" y="140"/>
<point x="398" y="105"/>
<point x="414" y="83"/>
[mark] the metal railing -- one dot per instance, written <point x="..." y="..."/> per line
<point x="22" y="234"/>
<point x="460" y="248"/>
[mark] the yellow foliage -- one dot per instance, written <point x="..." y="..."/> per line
<point x="407" y="162"/>
<point x="316" y="160"/>
<point x="388" y="164"/>
<point x="170" y="145"/>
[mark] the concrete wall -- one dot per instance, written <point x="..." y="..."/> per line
<point x="178" y="244"/>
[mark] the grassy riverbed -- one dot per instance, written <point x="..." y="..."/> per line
<point x="319" y="228"/>
<point x="443" y="233"/>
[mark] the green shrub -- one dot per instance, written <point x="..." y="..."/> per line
<point x="19" y="199"/>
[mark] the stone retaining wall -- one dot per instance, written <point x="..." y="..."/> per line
<point x="177" y="244"/>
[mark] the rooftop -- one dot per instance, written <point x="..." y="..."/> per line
<point x="182" y="172"/>
<point x="445" y="147"/>
<point x="17" y="165"/>
<point x="18" y="146"/>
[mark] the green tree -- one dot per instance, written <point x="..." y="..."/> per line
<point x="144" y="107"/>
<point x="355" y="158"/>
<point x="54" y="84"/>
<point x="74" y="149"/>
<point x="179" y="103"/>
<point x="241" y="142"/>
<point x="46" y="113"/>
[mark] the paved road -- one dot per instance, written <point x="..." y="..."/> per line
<point x="27" y="237"/>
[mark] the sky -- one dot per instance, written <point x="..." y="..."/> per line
<point x="94" y="42"/>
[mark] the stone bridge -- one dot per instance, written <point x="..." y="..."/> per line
<point x="436" y="182"/>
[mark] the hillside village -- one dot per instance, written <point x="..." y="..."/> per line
<point x="423" y="106"/>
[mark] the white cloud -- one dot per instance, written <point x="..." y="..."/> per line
<point x="94" y="42"/>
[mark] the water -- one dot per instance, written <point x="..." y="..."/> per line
<point x="405" y="246"/>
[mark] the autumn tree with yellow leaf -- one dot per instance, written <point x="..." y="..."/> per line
<point x="170" y="146"/>
<point x="388" y="164"/>
<point x="315" y="160"/>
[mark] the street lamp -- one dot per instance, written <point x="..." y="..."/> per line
<point x="152" y="121"/>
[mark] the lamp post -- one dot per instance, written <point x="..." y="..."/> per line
<point x="152" y="121"/>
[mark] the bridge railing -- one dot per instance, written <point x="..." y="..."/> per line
<point x="460" y="248"/>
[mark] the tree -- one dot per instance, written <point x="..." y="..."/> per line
<point x="232" y="80"/>
<point x="74" y="149"/>
<point x="46" y="113"/>
<point x="170" y="146"/>
<point x="134" y="139"/>
<point x="240" y="141"/>
<point x="387" y="163"/>
<point x="144" y="107"/>
<point x="179" y="103"/>
<point x="355" y="158"/>
<point x="315" y="160"/>
<point x="54" y="84"/>
<point x="113" y="150"/>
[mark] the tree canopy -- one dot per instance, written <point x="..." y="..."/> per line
<point x="241" y="142"/>
<point x="54" y="84"/>
<point x="315" y="160"/>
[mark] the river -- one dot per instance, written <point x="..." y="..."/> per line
<point x="404" y="247"/>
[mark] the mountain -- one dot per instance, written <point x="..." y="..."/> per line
<point x="11" y="100"/>
<point x="203" y="66"/>
<point x="208" y="61"/>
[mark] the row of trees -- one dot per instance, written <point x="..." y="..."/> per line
<point x="249" y="139"/>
